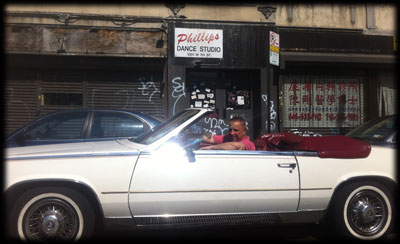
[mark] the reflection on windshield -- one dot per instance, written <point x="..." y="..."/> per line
<point x="164" y="128"/>
<point x="374" y="131"/>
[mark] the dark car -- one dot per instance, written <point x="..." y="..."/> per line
<point x="380" y="131"/>
<point x="82" y="125"/>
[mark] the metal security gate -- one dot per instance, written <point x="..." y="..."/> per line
<point x="27" y="99"/>
<point x="143" y="96"/>
<point x="20" y="103"/>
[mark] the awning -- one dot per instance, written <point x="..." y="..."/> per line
<point x="335" y="58"/>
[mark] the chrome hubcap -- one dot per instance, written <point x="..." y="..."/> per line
<point x="367" y="213"/>
<point x="51" y="219"/>
<point x="50" y="225"/>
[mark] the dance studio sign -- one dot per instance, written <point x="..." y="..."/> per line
<point x="198" y="43"/>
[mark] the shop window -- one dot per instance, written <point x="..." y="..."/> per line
<point x="322" y="101"/>
<point x="61" y="99"/>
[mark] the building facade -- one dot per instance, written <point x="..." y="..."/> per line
<point x="323" y="68"/>
<point x="337" y="74"/>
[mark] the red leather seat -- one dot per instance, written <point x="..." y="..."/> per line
<point x="277" y="141"/>
<point x="326" y="146"/>
<point x="335" y="146"/>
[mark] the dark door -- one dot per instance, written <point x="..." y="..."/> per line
<point x="230" y="93"/>
<point x="238" y="103"/>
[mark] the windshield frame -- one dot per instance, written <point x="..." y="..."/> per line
<point x="167" y="127"/>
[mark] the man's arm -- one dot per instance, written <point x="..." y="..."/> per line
<point x="208" y="138"/>
<point x="226" y="146"/>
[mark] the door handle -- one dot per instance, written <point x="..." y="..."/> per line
<point x="287" y="165"/>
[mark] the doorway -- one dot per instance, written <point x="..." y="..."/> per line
<point x="229" y="93"/>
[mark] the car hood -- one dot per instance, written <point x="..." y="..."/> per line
<point x="76" y="149"/>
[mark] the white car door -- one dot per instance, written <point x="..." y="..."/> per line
<point x="166" y="183"/>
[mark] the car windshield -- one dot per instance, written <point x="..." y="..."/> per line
<point x="164" y="128"/>
<point x="376" y="130"/>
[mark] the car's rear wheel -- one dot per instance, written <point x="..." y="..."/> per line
<point x="363" y="211"/>
<point x="52" y="214"/>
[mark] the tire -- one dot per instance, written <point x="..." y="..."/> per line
<point x="363" y="211"/>
<point x="52" y="214"/>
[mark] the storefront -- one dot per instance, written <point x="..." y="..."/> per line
<point x="332" y="81"/>
<point x="320" y="80"/>
<point x="158" y="71"/>
<point x="49" y="68"/>
<point x="223" y="66"/>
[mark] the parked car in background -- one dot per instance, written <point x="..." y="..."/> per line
<point x="80" y="125"/>
<point x="163" y="179"/>
<point x="382" y="131"/>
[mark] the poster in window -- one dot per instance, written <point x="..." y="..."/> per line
<point x="202" y="97"/>
<point x="322" y="101"/>
<point x="238" y="99"/>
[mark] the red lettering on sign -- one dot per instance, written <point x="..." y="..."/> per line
<point x="319" y="99"/>
<point x="293" y="86"/>
<point x="331" y="85"/>
<point x="181" y="38"/>
<point x="307" y="86"/>
<point x="199" y="37"/>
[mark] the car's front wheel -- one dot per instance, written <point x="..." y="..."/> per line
<point x="363" y="211"/>
<point x="52" y="214"/>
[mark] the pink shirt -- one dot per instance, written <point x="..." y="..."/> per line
<point x="249" y="145"/>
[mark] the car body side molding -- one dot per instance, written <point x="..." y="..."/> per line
<point x="231" y="219"/>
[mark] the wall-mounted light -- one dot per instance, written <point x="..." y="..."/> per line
<point x="160" y="42"/>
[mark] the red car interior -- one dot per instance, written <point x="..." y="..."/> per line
<point x="326" y="146"/>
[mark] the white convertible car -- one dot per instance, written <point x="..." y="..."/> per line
<point x="163" y="178"/>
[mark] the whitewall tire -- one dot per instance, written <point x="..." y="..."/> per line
<point x="363" y="211"/>
<point x="53" y="214"/>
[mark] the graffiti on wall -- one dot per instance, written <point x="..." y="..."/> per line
<point x="126" y="95"/>
<point x="216" y="126"/>
<point x="148" y="88"/>
<point x="178" y="91"/>
<point x="272" y="113"/>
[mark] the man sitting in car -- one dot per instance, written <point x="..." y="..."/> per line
<point x="235" y="140"/>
